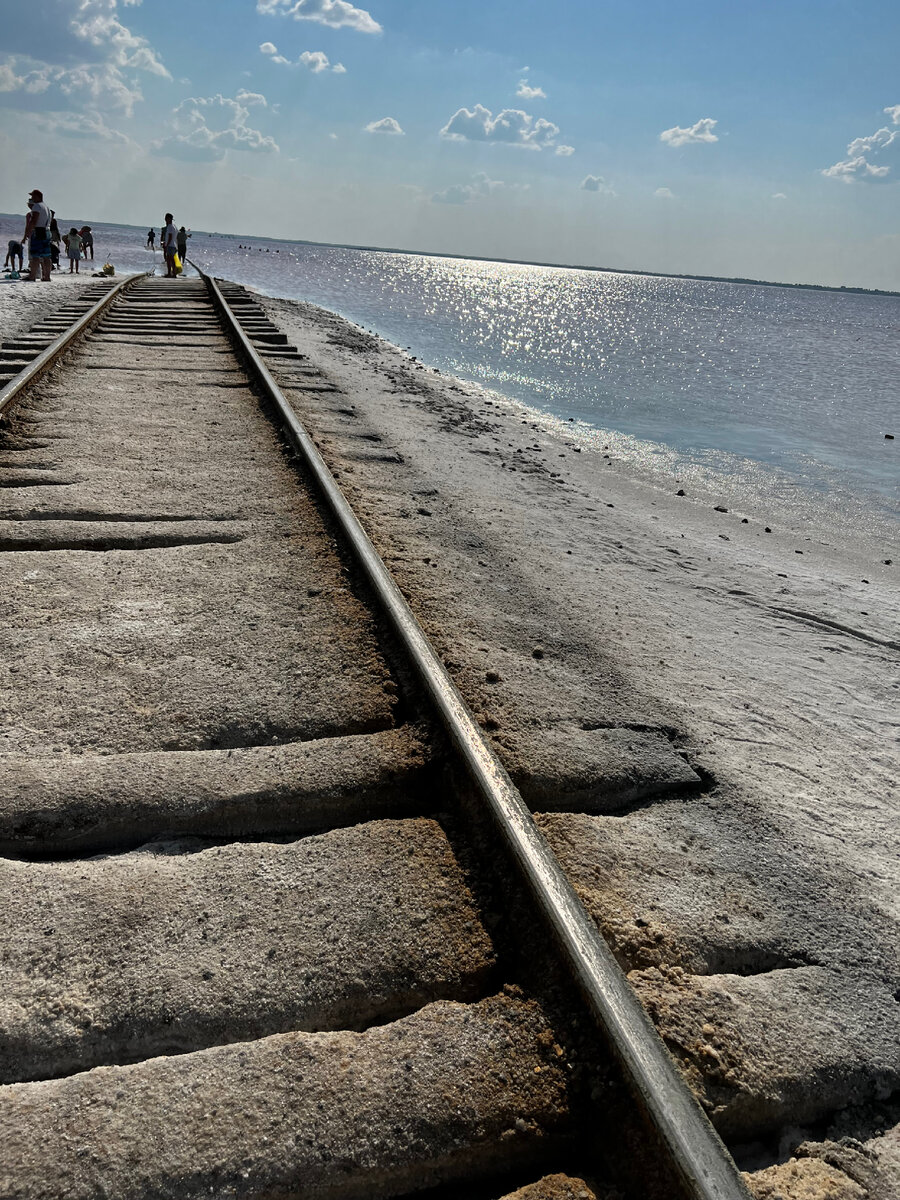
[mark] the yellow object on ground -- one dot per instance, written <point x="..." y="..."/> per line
<point x="178" y="265"/>
<point x="108" y="269"/>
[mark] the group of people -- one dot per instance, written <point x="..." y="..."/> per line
<point x="172" y="242"/>
<point x="44" y="240"/>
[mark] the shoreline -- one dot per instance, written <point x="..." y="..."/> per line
<point x="645" y="573"/>
<point x="758" y="488"/>
<point x="592" y="623"/>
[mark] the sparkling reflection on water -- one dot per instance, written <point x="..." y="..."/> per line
<point x="761" y="388"/>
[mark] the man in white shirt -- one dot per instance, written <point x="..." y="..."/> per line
<point x="170" y="245"/>
<point x="37" y="235"/>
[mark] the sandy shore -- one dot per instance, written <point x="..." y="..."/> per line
<point x="569" y="596"/>
<point x="774" y="654"/>
<point x="22" y="304"/>
<point x="589" y="614"/>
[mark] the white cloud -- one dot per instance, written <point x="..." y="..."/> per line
<point x="857" y="166"/>
<point x="385" y="125"/>
<point x="92" y="58"/>
<point x="596" y="183"/>
<point x="564" y="151"/>
<point x="204" y="128"/>
<point x="511" y="125"/>
<point x="65" y="124"/>
<point x="315" y="60"/>
<point x="779" y="196"/>
<point x="526" y="92"/>
<point x="96" y="23"/>
<point x="464" y="193"/>
<point x="701" y="132"/>
<point x="337" y="14"/>
<point x="664" y="193"/>
<point x="89" y="125"/>
<point x="251" y="98"/>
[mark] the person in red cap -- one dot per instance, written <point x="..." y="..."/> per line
<point x="37" y="235"/>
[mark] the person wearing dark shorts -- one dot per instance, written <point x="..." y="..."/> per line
<point x="169" y="241"/>
<point x="37" y="235"/>
<point x="14" y="250"/>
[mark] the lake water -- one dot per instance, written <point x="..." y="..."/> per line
<point x="756" y="393"/>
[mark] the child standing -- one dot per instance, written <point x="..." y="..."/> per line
<point x="73" y="249"/>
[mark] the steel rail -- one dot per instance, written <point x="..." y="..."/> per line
<point x="47" y="357"/>
<point x="695" y="1150"/>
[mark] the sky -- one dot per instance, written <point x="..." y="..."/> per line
<point x="759" y="140"/>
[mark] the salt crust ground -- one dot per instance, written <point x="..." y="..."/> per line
<point x="732" y="641"/>
<point x="23" y="304"/>
<point x="567" y="593"/>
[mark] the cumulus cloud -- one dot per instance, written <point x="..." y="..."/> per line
<point x="317" y="61"/>
<point x="385" y="125"/>
<point x="337" y="14"/>
<point x="465" y="193"/>
<point x="526" y="92"/>
<point x="251" y="98"/>
<point x="859" y="166"/>
<point x="564" y="151"/>
<point x="779" y="196"/>
<point x="512" y="125"/>
<point x="596" y="183"/>
<point x="96" y="22"/>
<point x="314" y="60"/>
<point x="88" y="125"/>
<point x="701" y="132"/>
<point x="205" y="127"/>
<point x="664" y="193"/>
<point x="92" y="58"/>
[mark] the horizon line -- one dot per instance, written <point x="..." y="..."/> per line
<point x="527" y="262"/>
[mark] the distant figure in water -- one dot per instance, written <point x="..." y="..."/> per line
<point x="181" y="242"/>
<point x="151" y="238"/>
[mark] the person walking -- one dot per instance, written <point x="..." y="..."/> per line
<point x="87" y="241"/>
<point x="37" y="235"/>
<point x="169" y="241"/>
<point x="181" y="242"/>
<point x="73" y="249"/>
<point x="151" y="238"/>
<point x="14" y="250"/>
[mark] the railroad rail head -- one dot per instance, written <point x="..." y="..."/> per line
<point x="694" y="1149"/>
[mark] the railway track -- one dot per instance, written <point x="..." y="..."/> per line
<point x="277" y="921"/>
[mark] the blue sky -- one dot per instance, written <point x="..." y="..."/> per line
<point x="714" y="138"/>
